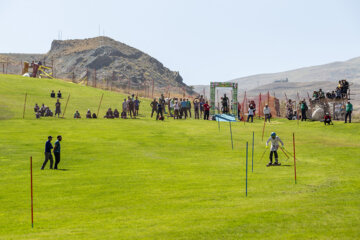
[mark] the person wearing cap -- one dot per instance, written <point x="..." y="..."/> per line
<point x="267" y="113"/>
<point x="275" y="143"/>
<point x="48" y="155"/>
<point x="57" y="151"/>
<point x="349" y="109"/>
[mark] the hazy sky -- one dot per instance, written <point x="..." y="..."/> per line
<point x="203" y="40"/>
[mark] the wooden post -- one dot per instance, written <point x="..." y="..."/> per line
<point x="31" y="191"/>
<point x="95" y="77"/>
<point x="294" y="156"/>
<point x="66" y="105"/>
<point x="252" y="155"/>
<point x="99" y="105"/>
<point x="24" y="105"/>
<point x="152" y="95"/>
<point x="7" y="65"/>
<point x="246" y="178"/>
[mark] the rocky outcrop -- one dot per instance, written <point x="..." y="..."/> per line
<point x="112" y="61"/>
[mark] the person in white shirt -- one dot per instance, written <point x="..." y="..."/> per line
<point x="251" y="114"/>
<point x="267" y="113"/>
<point x="275" y="143"/>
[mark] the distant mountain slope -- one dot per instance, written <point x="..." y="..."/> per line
<point x="335" y="71"/>
<point x="109" y="58"/>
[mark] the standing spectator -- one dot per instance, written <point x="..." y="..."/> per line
<point x="196" y="108"/>
<point x="267" y="113"/>
<point x="239" y="110"/>
<point x="250" y="114"/>
<point x="131" y="107"/>
<point x="304" y="108"/>
<point x="188" y="106"/>
<point x="124" y="109"/>
<point x="153" y="106"/>
<point x="349" y="109"/>
<point x="176" y="110"/>
<point x="137" y="106"/>
<point x="183" y="110"/>
<point x="57" y="108"/>
<point x="202" y="102"/>
<point x="206" y="110"/>
<point x="171" y="107"/>
<point x="57" y="151"/>
<point x="48" y="155"/>
<point x="159" y="111"/>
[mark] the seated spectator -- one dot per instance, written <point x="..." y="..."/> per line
<point x="52" y="94"/>
<point x="327" y="118"/>
<point x="48" y="112"/>
<point x="36" y="108"/>
<point x="59" y="94"/>
<point x="321" y="94"/>
<point x="328" y="95"/>
<point x="37" y="114"/>
<point x="88" y="114"/>
<point x="123" y="115"/>
<point x="109" y="114"/>
<point x="333" y="95"/>
<point x="42" y="110"/>
<point x="338" y="93"/>
<point x="116" y="113"/>
<point x="94" y="115"/>
<point x="316" y="95"/>
<point x="77" y="114"/>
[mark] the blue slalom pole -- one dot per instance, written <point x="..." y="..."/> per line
<point x="252" y="155"/>
<point x="246" y="169"/>
<point x="232" y="145"/>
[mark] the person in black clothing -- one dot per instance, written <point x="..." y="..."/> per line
<point x="48" y="155"/>
<point x="59" y="94"/>
<point x="52" y="94"/>
<point x="153" y="106"/>
<point x="57" y="151"/>
<point x="159" y="111"/>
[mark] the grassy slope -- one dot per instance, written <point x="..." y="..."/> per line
<point x="142" y="179"/>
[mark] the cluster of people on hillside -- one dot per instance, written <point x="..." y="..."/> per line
<point x="339" y="93"/>
<point x="180" y="108"/>
<point x="293" y="114"/>
<point x="45" y="111"/>
<point x="130" y="107"/>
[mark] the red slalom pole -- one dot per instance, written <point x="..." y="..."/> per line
<point x="31" y="187"/>
<point x="294" y="156"/>
<point x="262" y="138"/>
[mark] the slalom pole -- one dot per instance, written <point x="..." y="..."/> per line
<point x="246" y="179"/>
<point x="284" y="152"/>
<point x="232" y="145"/>
<point x="24" y="105"/>
<point x="99" y="105"/>
<point x="262" y="138"/>
<point x="263" y="154"/>
<point x="219" y="124"/>
<point x="66" y="105"/>
<point x="294" y="156"/>
<point x="252" y="155"/>
<point x="31" y="190"/>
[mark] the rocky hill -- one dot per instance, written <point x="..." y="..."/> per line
<point x="112" y="61"/>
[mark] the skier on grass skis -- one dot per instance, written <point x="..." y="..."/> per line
<point x="275" y="140"/>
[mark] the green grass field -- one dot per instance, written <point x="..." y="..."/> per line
<point x="146" y="179"/>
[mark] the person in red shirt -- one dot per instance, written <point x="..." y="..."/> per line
<point x="327" y="119"/>
<point x="206" y="110"/>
